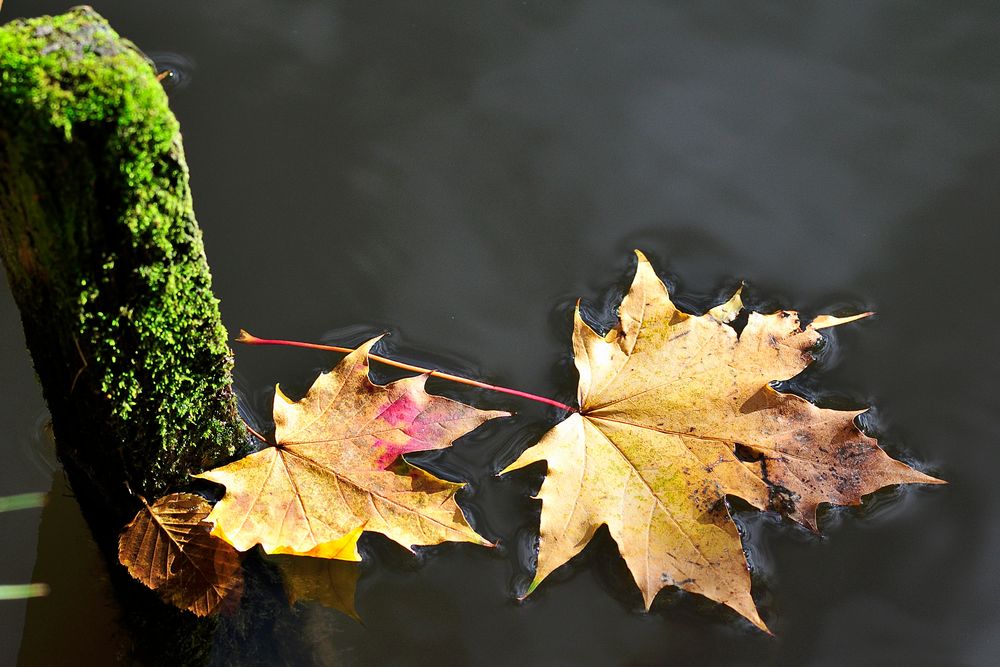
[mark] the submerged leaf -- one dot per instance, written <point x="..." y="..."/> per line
<point x="329" y="474"/>
<point x="169" y="548"/>
<point x="665" y="400"/>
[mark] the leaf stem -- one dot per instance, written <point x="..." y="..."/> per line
<point x="249" y="339"/>
<point x="253" y="432"/>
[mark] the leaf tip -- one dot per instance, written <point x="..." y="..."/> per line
<point x="728" y="311"/>
<point x="531" y="589"/>
<point x="280" y="394"/>
<point x="522" y="461"/>
<point x="826" y="321"/>
<point x="918" y="477"/>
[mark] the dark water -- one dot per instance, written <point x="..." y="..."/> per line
<point x="460" y="173"/>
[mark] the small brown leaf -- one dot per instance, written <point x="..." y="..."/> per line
<point x="169" y="548"/>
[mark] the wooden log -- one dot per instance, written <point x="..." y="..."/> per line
<point x="105" y="261"/>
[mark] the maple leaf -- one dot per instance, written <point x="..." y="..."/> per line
<point x="665" y="399"/>
<point x="169" y="548"/>
<point x="329" y="474"/>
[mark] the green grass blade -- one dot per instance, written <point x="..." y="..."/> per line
<point x="23" y="591"/>
<point x="21" y="501"/>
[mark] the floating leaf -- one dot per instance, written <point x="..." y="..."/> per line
<point x="666" y="398"/>
<point x="330" y="473"/>
<point x="168" y="547"/>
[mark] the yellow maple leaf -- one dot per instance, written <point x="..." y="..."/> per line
<point x="327" y="478"/>
<point x="665" y="398"/>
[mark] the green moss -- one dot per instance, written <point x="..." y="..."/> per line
<point x="104" y="254"/>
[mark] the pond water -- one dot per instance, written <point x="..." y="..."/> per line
<point x="460" y="173"/>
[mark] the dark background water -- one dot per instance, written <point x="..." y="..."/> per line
<point x="459" y="173"/>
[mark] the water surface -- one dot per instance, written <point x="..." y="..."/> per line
<point x="460" y="173"/>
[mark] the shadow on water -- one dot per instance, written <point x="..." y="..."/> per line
<point x="81" y="608"/>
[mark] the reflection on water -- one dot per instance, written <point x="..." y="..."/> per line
<point x="78" y="617"/>
<point x="463" y="173"/>
<point x="331" y="583"/>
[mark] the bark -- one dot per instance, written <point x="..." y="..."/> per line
<point x="105" y="261"/>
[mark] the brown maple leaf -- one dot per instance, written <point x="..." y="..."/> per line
<point x="328" y="475"/>
<point x="168" y="547"/>
<point x="665" y="399"/>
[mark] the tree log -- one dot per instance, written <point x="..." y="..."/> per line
<point x="106" y="264"/>
<point x="105" y="261"/>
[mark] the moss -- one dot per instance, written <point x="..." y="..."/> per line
<point x="105" y="257"/>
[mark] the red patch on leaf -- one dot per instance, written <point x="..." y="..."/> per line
<point x="404" y="410"/>
<point x="401" y="414"/>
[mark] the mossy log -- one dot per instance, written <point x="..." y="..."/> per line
<point x="105" y="261"/>
<point x="106" y="264"/>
